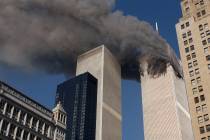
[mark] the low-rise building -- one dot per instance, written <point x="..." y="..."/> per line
<point x="22" y="118"/>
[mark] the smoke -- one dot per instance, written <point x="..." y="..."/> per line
<point x="49" y="35"/>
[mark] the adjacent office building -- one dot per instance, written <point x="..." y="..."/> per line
<point x="193" y="33"/>
<point x="165" y="107"/>
<point x="103" y="65"/>
<point x="22" y="118"/>
<point x="79" y="98"/>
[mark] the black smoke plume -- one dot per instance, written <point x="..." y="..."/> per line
<point x="50" y="34"/>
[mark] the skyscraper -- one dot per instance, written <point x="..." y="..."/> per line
<point x="103" y="65"/>
<point x="79" y="98"/>
<point x="165" y="107"/>
<point x="193" y="33"/>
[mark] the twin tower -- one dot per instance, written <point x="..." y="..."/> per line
<point x="92" y="101"/>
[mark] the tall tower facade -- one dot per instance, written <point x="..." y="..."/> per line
<point x="103" y="65"/>
<point x="193" y="33"/>
<point x="79" y="98"/>
<point x="165" y="108"/>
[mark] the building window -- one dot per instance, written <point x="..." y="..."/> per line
<point x="192" y="47"/>
<point x="207" y="32"/>
<point x="202" y="97"/>
<point x="206" y="117"/>
<point x="201" y="2"/>
<point x="187" y="24"/>
<point x="18" y="134"/>
<point x="2" y="104"/>
<point x="206" y="50"/>
<point x="193" y="55"/>
<point x="184" y="35"/>
<point x="191" y="73"/>
<point x="187" y="9"/>
<point x="208" y="128"/>
<point x="202" y="130"/>
<point x="203" y="12"/>
<point x="200" y="88"/>
<point x="204" y="42"/>
<point x="209" y="66"/>
<point x="200" y="27"/>
<point x="190" y="40"/>
<point x="188" y="57"/>
<point x="189" y="33"/>
<point x="206" y="26"/>
<point x="193" y="82"/>
<point x="198" y="109"/>
<point x="190" y="64"/>
<point x="185" y="42"/>
<point x="195" y="63"/>
<point x="195" y="91"/>
<point x="208" y="57"/>
<point x="198" y="80"/>
<point x="208" y="137"/>
<point x="202" y="35"/>
<point x="204" y="138"/>
<point x="198" y="14"/>
<point x="187" y="50"/>
<point x="182" y="26"/>
<point x="197" y="71"/>
<point x="196" y="100"/>
<point x="204" y="107"/>
<point x="200" y="119"/>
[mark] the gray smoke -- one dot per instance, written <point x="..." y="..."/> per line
<point x="50" y="34"/>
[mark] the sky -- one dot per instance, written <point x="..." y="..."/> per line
<point x="42" y="87"/>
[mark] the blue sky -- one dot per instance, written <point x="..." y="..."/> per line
<point x="42" y="87"/>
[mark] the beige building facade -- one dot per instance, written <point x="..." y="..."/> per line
<point x="165" y="107"/>
<point x="193" y="33"/>
<point x="103" y="65"/>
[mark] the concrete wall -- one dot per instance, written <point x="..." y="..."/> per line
<point x="165" y="108"/>
<point x="101" y="64"/>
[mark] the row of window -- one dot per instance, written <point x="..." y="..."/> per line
<point x="188" y="49"/>
<point x="191" y="64"/>
<point x="201" y="13"/>
<point x="199" y="3"/>
<point x="199" y="99"/>
<point x="9" y="129"/>
<point x="203" y="27"/>
<point x="189" y="41"/>
<point x="196" y="81"/>
<point x="187" y="34"/>
<point x="201" y="108"/>
<point x="194" y="72"/>
<point x="192" y="56"/>
<point x="204" y="34"/>
<point x="197" y="90"/>
<point x="206" y="41"/>
<point x="24" y="118"/>
<point x="202" y="119"/>
<point x="205" y="129"/>
<point x="187" y="24"/>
